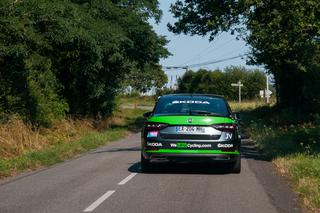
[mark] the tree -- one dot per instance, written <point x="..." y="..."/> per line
<point x="73" y="56"/>
<point x="219" y="82"/>
<point x="184" y="83"/>
<point x="283" y="35"/>
<point x="151" y="76"/>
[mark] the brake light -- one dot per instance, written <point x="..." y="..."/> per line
<point x="225" y="127"/>
<point x="155" y="126"/>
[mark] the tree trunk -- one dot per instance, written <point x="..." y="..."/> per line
<point x="291" y="83"/>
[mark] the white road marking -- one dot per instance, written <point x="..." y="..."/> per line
<point x="124" y="181"/>
<point x="96" y="203"/>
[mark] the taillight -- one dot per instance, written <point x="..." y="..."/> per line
<point x="155" y="126"/>
<point x="225" y="127"/>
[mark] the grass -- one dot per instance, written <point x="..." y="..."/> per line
<point x="23" y="148"/>
<point x="136" y="100"/>
<point x="292" y="141"/>
<point x="304" y="172"/>
<point x="246" y="105"/>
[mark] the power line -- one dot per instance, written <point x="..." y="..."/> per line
<point x="214" y="62"/>
<point x="196" y="56"/>
<point x="204" y="63"/>
<point x="175" y="67"/>
<point x="208" y="50"/>
<point x="220" y="46"/>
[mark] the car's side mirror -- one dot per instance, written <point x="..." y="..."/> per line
<point x="147" y="114"/>
<point x="236" y="116"/>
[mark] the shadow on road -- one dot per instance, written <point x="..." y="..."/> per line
<point x="249" y="151"/>
<point x="181" y="168"/>
<point x="133" y="149"/>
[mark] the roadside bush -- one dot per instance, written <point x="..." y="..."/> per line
<point x="219" y="82"/>
<point x="164" y="91"/>
<point x="59" y="57"/>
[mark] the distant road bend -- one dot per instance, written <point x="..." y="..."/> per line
<point x="109" y="180"/>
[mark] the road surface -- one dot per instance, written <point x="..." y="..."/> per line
<point x="109" y="180"/>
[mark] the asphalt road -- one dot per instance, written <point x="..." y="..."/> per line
<point x="109" y="180"/>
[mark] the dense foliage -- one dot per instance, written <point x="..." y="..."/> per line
<point x="73" y="56"/>
<point x="284" y="37"/>
<point x="219" y="82"/>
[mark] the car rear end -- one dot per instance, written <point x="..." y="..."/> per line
<point x="199" y="129"/>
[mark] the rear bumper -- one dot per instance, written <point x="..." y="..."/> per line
<point x="170" y="155"/>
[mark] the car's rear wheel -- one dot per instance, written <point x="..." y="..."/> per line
<point x="235" y="167"/>
<point x="146" y="166"/>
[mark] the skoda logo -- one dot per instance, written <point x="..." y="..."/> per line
<point x="189" y="120"/>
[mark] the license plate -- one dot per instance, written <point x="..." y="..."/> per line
<point x="190" y="129"/>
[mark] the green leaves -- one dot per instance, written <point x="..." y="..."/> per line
<point x="151" y="76"/>
<point x="199" y="17"/>
<point x="218" y="82"/>
<point x="74" y="55"/>
<point x="44" y="104"/>
<point x="283" y="35"/>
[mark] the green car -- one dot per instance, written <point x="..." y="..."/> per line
<point x="191" y="128"/>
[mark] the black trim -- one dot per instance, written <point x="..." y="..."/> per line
<point x="189" y="137"/>
<point x="154" y="157"/>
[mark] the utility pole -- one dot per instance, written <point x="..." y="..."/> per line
<point x="186" y="68"/>
<point x="239" y="84"/>
<point x="267" y="92"/>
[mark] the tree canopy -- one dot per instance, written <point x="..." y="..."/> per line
<point x="284" y="36"/>
<point x="74" y="56"/>
<point x="219" y="82"/>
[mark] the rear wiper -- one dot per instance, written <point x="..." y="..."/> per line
<point x="203" y="112"/>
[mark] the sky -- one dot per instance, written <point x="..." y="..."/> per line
<point x="188" y="50"/>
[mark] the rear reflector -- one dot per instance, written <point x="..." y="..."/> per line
<point x="155" y="126"/>
<point x="225" y="127"/>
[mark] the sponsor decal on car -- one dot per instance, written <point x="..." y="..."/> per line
<point x="189" y="102"/>
<point x="228" y="136"/>
<point x="195" y="145"/>
<point x="190" y="145"/>
<point x="224" y="145"/>
<point x="152" y="134"/>
<point x="181" y="145"/>
<point x="154" y="144"/>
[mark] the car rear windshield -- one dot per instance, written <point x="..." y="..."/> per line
<point x="191" y="105"/>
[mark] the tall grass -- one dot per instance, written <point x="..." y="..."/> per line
<point x="247" y="105"/>
<point x="292" y="141"/>
<point x="24" y="147"/>
<point x="16" y="138"/>
<point x="135" y="100"/>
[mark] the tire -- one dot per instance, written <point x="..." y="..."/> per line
<point x="146" y="166"/>
<point x="236" y="166"/>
